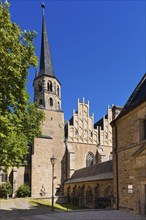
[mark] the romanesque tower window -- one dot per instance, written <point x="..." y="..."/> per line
<point x="40" y="87"/>
<point x="89" y="159"/>
<point x="58" y="90"/>
<point x="51" y="102"/>
<point x="50" y="88"/>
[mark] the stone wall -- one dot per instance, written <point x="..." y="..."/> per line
<point x="130" y="153"/>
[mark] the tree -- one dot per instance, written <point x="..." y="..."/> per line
<point x="20" y="120"/>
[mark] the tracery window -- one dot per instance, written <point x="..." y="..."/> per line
<point x="89" y="159"/>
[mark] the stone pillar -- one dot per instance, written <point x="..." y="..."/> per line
<point x="15" y="173"/>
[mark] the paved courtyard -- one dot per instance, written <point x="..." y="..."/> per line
<point x="17" y="209"/>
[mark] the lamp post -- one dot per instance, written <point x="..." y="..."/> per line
<point x="53" y="160"/>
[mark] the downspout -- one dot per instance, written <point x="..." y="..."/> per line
<point x="117" y="175"/>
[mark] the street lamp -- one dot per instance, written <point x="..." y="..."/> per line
<point x="53" y="161"/>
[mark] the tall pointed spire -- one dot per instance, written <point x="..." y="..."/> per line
<point x="46" y="67"/>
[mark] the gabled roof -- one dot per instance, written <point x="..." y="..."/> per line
<point x="46" y="67"/>
<point x="137" y="97"/>
<point x="96" y="172"/>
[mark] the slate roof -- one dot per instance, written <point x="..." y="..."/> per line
<point x="100" y="122"/>
<point x="137" y="97"/>
<point x="96" y="172"/>
<point x="46" y="67"/>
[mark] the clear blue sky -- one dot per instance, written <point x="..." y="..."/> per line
<point x="98" y="48"/>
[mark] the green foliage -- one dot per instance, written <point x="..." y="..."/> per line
<point x="5" y="190"/>
<point x="23" y="191"/>
<point x="20" y="120"/>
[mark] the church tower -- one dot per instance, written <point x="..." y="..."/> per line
<point x="47" y="93"/>
<point x="47" y="88"/>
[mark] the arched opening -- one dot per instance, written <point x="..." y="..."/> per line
<point x="58" y="92"/>
<point x="50" y="87"/>
<point x="89" y="194"/>
<point x="89" y="159"/>
<point x="58" y="106"/>
<point x="51" y="102"/>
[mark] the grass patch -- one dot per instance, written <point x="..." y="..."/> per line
<point x="46" y="204"/>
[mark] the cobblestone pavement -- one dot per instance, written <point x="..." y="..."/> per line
<point x="17" y="209"/>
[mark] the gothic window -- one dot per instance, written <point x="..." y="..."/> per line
<point x="40" y="102"/>
<point x="89" y="194"/>
<point x="89" y="159"/>
<point x="57" y="90"/>
<point x="51" y="102"/>
<point x="50" y="88"/>
<point x="40" y="86"/>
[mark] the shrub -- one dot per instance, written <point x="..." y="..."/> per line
<point x="23" y="191"/>
<point x="6" y="190"/>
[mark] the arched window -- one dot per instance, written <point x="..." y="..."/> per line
<point x="51" y="102"/>
<point x="40" y="86"/>
<point x="58" y="106"/>
<point x="58" y="90"/>
<point x="89" y="194"/>
<point x="89" y="159"/>
<point x="40" y="102"/>
<point x="50" y="88"/>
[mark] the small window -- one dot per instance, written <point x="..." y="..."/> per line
<point x="51" y="102"/>
<point x="58" y="106"/>
<point x="142" y="130"/>
<point x="50" y="88"/>
<point x="130" y="188"/>
<point x="58" y="90"/>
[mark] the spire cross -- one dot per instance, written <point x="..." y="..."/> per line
<point x="43" y="7"/>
